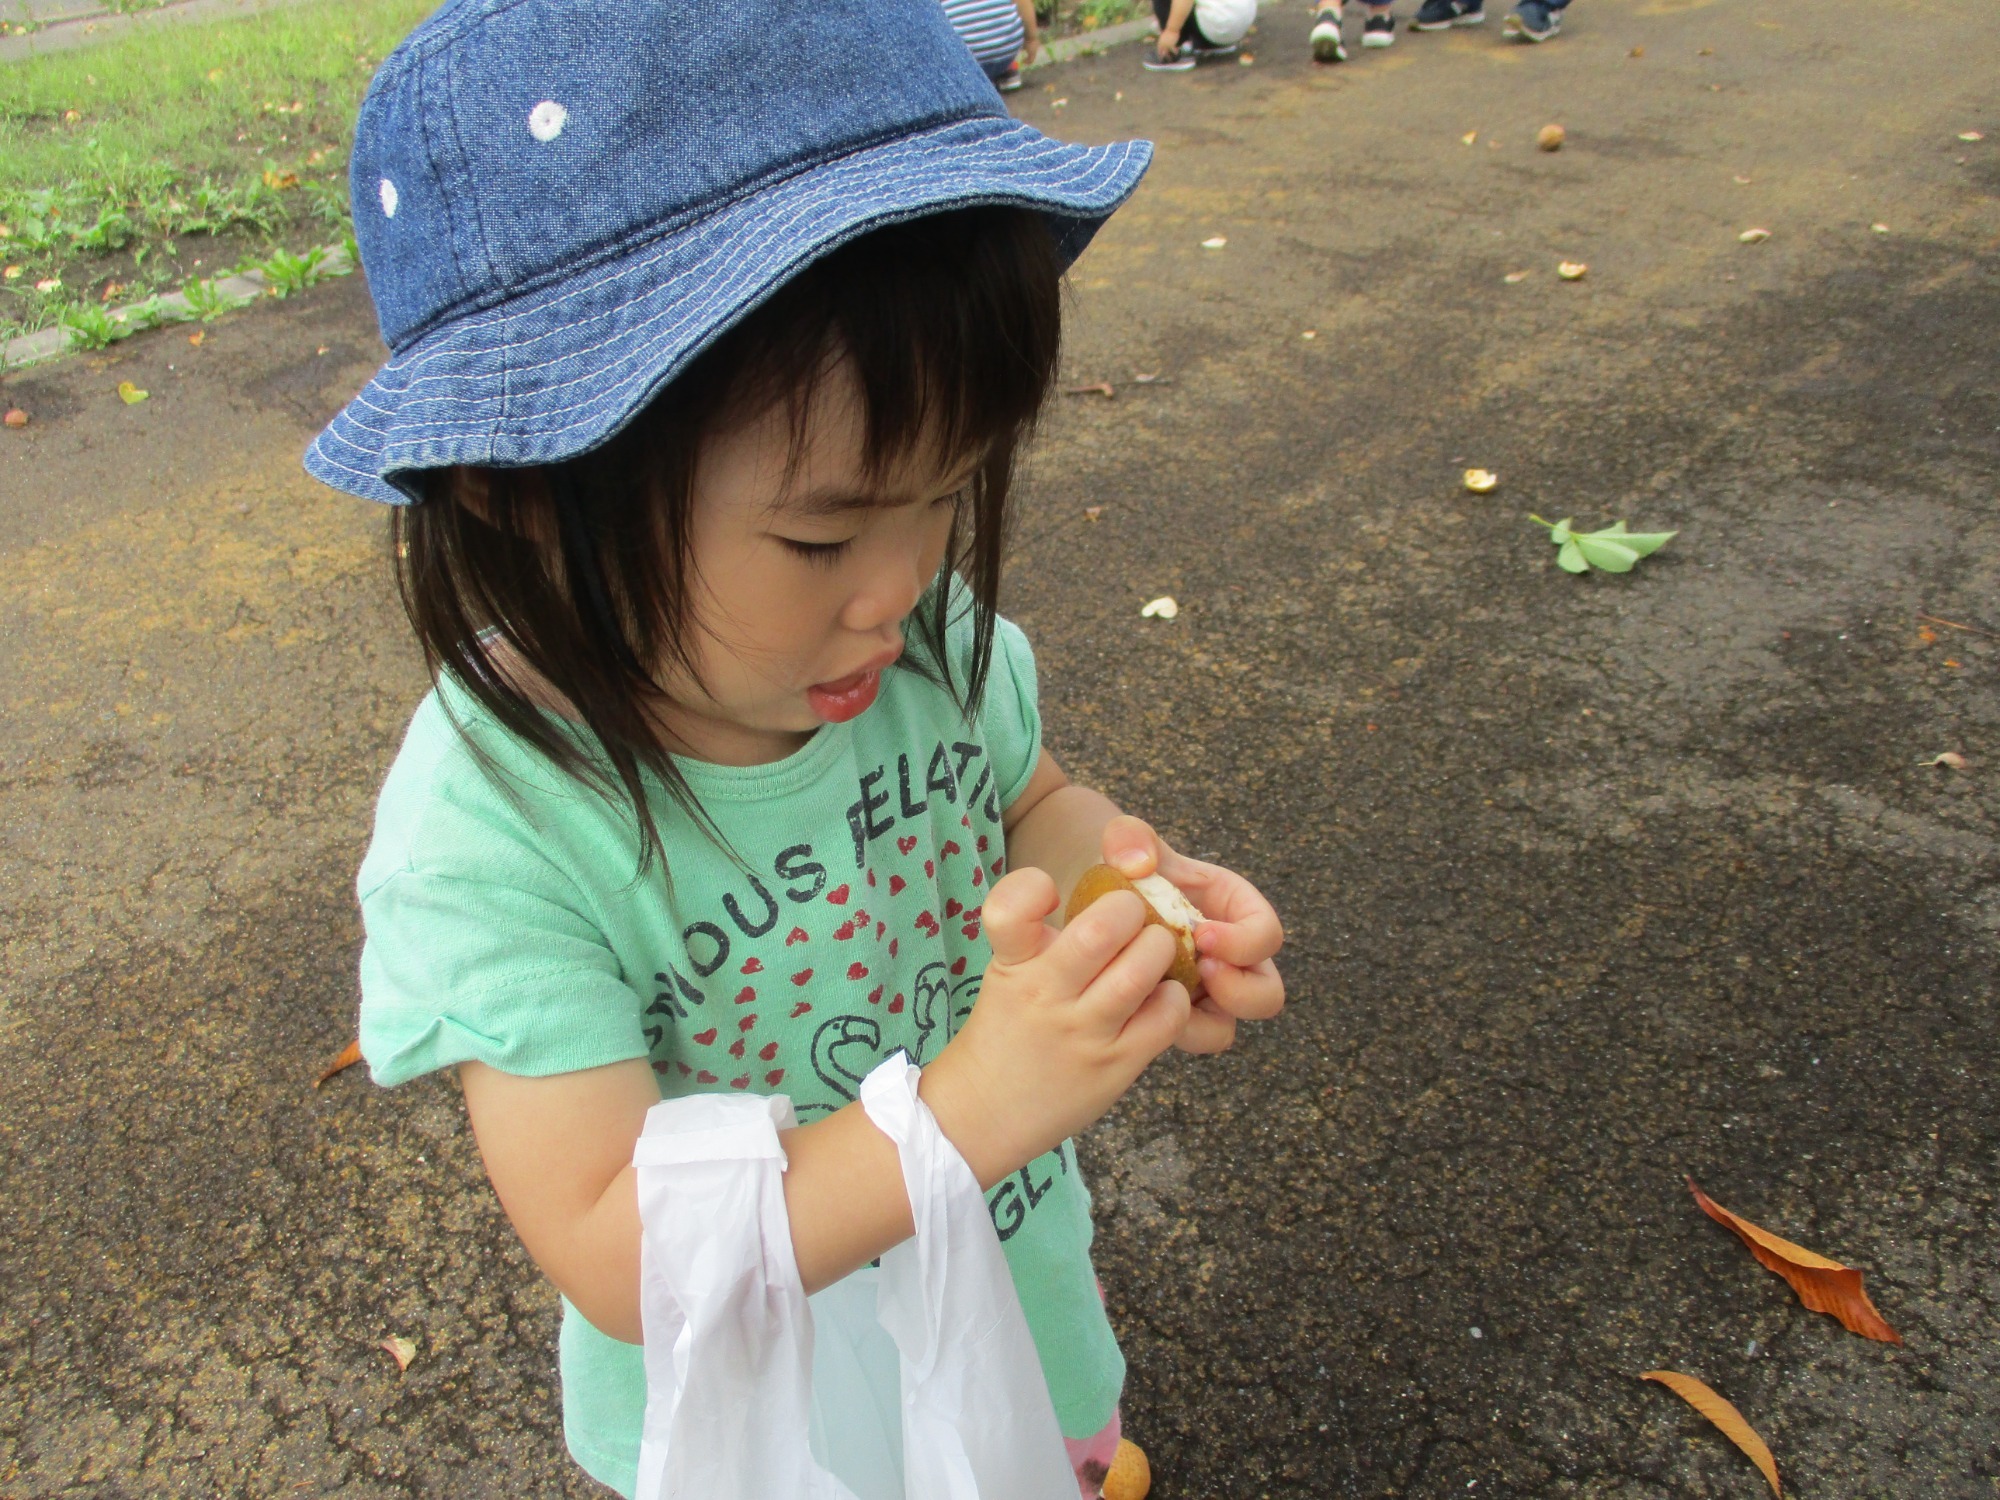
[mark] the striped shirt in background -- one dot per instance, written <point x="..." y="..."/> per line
<point x="990" y="28"/>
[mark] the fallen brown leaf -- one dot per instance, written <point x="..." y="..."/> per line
<point x="15" y="417"/>
<point x="401" y="1350"/>
<point x="1954" y="625"/>
<point x="1950" y="759"/>
<point x="279" y="181"/>
<point x="349" y="1056"/>
<point x="197" y="337"/>
<point x="1572" y="270"/>
<point x="1637" y="52"/>
<point x="1727" y="1419"/>
<point x="1824" y="1286"/>
<point x="1753" y="236"/>
<point x="1100" y="388"/>
<point x="1092" y="512"/>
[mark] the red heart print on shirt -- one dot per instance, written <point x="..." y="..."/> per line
<point x="857" y="971"/>
<point x="775" y="1077"/>
<point x="740" y="1083"/>
<point x="802" y="976"/>
<point x="844" y="931"/>
<point x="952" y="907"/>
<point x="837" y="896"/>
<point x="736" y="1047"/>
<point x="796" y="935"/>
<point x="706" y="1038"/>
<point x="801" y="1008"/>
<point x="704" y="1076"/>
<point x="950" y="848"/>
<point x="746" y="996"/>
<point x="896" y="884"/>
<point x="906" y="844"/>
<point x="747" y="1022"/>
<point x="927" y="925"/>
<point x="768" y="1051"/>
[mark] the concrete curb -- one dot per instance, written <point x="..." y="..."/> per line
<point x="170" y="307"/>
<point x="86" y="28"/>
<point x="1088" y="43"/>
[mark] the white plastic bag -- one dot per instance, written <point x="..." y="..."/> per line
<point x="737" y="1408"/>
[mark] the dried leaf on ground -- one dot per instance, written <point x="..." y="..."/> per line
<point x="1153" y="379"/>
<point x="130" y="394"/>
<point x="1162" y="608"/>
<point x="1572" y="270"/>
<point x="1468" y="138"/>
<point x="349" y="1056"/>
<point x="198" y="337"/>
<point x="1824" y="1286"/>
<point x="1096" y="388"/>
<point x="1950" y="759"/>
<point x="1480" y="481"/>
<point x="401" y="1350"/>
<point x="1753" y="236"/>
<point x="1215" y="242"/>
<point x="1972" y="135"/>
<point x="15" y="417"/>
<point x="1727" y="1419"/>
<point x="1514" y="278"/>
<point x="1092" y="512"/>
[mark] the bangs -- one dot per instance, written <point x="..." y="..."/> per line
<point x="949" y="329"/>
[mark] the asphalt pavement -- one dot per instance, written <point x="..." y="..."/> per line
<point x="1592" y="882"/>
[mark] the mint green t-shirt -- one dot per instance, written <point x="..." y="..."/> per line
<point x="505" y="922"/>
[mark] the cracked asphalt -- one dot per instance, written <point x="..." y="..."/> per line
<point x="1591" y="882"/>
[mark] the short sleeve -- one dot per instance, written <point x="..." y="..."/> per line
<point x="1009" y="711"/>
<point x="476" y="945"/>
<point x="456" y="970"/>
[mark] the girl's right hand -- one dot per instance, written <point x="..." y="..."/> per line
<point x="1064" y="1023"/>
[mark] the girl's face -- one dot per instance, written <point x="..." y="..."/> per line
<point x="804" y="574"/>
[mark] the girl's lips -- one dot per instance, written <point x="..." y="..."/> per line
<point x="849" y="698"/>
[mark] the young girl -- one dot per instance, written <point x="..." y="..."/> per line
<point x="713" y="344"/>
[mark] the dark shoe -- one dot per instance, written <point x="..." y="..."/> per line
<point x="1442" y="15"/>
<point x="1379" y="30"/>
<point x="1009" y="81"/>
<point x="1326" y="43"/>
<point x="1533" y="21"/>
<point x="1180" y="62"/>
<point x="1203" y="54"/>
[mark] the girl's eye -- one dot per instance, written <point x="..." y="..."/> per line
<point x="823" y="553"/>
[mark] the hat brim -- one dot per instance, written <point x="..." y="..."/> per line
<point x="558" y="370"/>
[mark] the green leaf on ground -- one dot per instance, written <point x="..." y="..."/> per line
<point x="1612" y="550"/>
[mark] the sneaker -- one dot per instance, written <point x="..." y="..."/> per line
<point x="1010" y="80"/>
<point x="1533" y="21"/>
<point x="1180" y="62"/>
<point x="1441" y="15"/>
<point x="1326" y="44"/>
<point x="1213" y="54"/>
<point x="1379" y="30"/>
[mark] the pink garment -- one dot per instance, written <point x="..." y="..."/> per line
<point x="1091" y="1458"/>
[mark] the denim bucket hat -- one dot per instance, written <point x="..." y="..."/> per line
<point x="560" y="203"/>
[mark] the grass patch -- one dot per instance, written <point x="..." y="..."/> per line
<point x="180" y="151"/>
<point x="1060" y="18"/>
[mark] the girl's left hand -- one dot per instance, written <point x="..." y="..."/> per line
<point x="1237" y="943"/>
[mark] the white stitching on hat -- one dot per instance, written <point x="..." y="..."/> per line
<point x="389" y="199"/>
<point x="546" y="120"/>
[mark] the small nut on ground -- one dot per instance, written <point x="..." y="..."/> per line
<point x="15" y="417"/>
<point x="1551" y="137"/>
<point x="1480" y="481"/>
<point x="1572" y="270"/>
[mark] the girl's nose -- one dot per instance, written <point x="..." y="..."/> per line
<point x="889" y="593"/>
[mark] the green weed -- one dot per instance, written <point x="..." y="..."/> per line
<point x="207" y="301"/>
<point x="286" y="273"/>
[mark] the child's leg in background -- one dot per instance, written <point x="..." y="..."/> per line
<point x="1091" y="1458"/>
<point x="1191" y="32"/>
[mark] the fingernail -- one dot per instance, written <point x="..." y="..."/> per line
<point x="1133" y="862"/>
<point x="1205" y="939"/>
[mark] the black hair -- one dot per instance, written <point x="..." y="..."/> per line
<point x="950" y="326"/>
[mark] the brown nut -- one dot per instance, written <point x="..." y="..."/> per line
<point x="1165" y="906"/>
<point x="1551" y="137"/>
